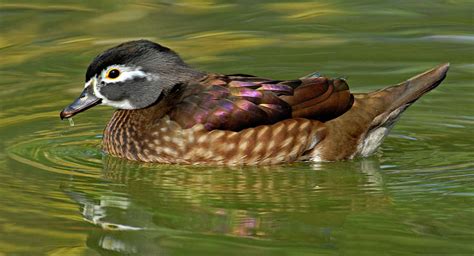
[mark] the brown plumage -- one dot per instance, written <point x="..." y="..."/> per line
<point x="236" y="102"/>
<point x="216" y="119"/>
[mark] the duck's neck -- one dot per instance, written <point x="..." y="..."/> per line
<point x="126" y="130"/>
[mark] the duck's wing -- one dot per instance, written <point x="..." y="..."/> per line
<point x="236" y="102"/>
<point x="320" y="98"/>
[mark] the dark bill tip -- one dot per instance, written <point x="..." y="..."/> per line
<point x="85" y="101"/>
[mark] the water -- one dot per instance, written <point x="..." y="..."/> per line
<point x="60" y="195"/>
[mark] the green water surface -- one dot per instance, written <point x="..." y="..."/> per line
<point x="60" y="195"/>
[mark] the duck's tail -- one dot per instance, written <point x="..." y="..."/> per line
<point x="404" y="94"/>
<point x="373" y="114"/>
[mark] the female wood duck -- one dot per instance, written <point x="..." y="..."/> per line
<point x="169" y="112"/>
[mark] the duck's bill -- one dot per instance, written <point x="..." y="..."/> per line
<point x="85" y="101"/>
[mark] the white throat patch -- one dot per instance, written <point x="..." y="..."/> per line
<point x="122" y="104"/>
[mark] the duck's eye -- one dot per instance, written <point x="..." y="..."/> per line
<point x="113" y="73"/>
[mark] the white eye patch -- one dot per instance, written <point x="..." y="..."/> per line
<point x="125" y="73"/>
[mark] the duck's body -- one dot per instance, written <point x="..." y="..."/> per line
<point x="203" y="118"/>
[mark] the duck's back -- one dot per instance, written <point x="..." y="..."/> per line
<point x="237" y="102"/>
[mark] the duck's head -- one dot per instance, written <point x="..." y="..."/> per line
<point x="132" y="75"/>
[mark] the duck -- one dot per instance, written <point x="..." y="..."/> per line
<point x="171" y="113"/>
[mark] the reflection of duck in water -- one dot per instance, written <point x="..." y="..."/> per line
<point x="118" y="222"/>
<point x="171" y="113"/>
<point x="146" y="207"/>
